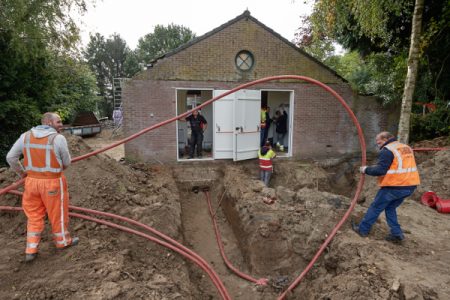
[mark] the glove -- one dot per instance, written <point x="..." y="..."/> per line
<point x="362" y="169"/>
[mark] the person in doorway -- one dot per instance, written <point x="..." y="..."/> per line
<point x="268" y="122"/>
<point x="397" y="177"/>
<point x="198" y="127"/>
<point x="262" y="125"/>
<point x="280" y="128"/>
<point x="266" y="155"/>
<point x="46" y="155"/>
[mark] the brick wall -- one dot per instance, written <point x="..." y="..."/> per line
<point x="322" y="127"/>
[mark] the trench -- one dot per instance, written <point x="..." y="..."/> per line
<point x="198" y="234"/>
<point x="259" y="240"/>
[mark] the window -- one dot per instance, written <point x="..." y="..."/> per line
<point x="244" y="60"/>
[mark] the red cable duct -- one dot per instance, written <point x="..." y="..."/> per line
<point x="429" y="199"/>
<point x="443" y="206"/>
<point x="272" y="78"/>
<point x="175" y="246"/>
<point x="430" y="149"/>
<point x="261" y="281"/>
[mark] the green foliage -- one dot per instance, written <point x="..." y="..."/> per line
<point x="36" y="39"/>
<point x="380" y="32"/>
<point x="430" y="125"/>
<point x="109" y="59"/>
<point x="162" y="40"/>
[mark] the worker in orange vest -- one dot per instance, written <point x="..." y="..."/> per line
<point x="46" y="155"/>
<point x="266" y="155"/>
<point x="397" y="177"/>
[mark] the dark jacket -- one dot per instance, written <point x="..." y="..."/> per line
<point x="196" y="123"/>
<point x="281" y="123"/>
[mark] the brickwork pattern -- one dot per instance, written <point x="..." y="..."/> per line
<point x="321" y="126"/>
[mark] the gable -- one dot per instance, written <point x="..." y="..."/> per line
<point x="212" y="57"/>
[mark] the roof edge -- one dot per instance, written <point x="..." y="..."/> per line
<point x="245" y="15"/>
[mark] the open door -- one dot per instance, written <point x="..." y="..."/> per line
<point x="247" y="114"/>
<point x="223" y="125"/>
<point x="236" y="125"/>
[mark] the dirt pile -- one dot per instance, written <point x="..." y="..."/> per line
<point x="107" y="264"/>
<point x="267" y="232"/>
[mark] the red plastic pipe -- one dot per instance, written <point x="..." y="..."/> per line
<point x="261" y="281"/>
<point x="443" y="206"/>
<point x="430" y="149"/>
<point x="245" y="85"/>
<point x="429" y="199"/>
<point x="203" y="265"/>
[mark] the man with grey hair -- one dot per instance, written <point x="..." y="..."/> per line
<point x="46" y="155"/>
<point x="397" y="177"/>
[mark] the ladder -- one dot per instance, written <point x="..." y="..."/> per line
<point x="118" y="84"/>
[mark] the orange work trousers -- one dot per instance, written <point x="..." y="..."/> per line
<point x="41" y="197"/>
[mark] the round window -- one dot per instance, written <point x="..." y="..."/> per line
<point x="244" y="60"/>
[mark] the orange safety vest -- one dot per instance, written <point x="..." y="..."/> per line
<point x="265" y="161"/>
<point x="403" y="170"/>
<point x="40" y="160"/>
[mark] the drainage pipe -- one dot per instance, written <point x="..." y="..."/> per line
<point x="261" y="281"/>
<point x="245" y="85"/>
<point x="200" y="262"/>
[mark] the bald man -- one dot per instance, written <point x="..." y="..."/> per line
<point x="46" y="155"/>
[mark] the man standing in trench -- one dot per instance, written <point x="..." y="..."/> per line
<point x="397" y="177"/>
<point x="46" y="155"/>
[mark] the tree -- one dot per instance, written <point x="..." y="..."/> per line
<point x="381" y="31"/>
<point x="162" y="40"/>
<point x="108" y="60"/>
<point x="413" y="63"/>
<point x="32" y="34"/>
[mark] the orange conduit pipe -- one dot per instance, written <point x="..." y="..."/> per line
<point x="430" y="149"/>
<point x="188" y="254"/>
<point x="261" y="281"/>
<point x="245" y="85"/>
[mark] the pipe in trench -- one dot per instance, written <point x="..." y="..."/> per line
<point x="242" y="86"/>
<point x="261" y="281"/>
<point x="175" y="247"/>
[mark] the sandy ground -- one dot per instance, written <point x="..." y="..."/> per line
<point x="274" y="241"/>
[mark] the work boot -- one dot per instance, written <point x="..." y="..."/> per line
<point x="396" y="239"/>
<point x="75" y="241"/>
<point x="355" y="228"/>
<point x="30" y="257"/>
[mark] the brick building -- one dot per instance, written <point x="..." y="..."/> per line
<point x="237" y="52"/>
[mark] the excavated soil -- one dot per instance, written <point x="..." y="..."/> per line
<point x="267" y="233"/>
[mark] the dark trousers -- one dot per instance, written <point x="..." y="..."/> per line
<point x="196" y="140"/>
<point x="386" y="200"/>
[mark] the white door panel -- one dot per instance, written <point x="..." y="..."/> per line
<point x="223" y="125"/>
<point x="247" y="119"/>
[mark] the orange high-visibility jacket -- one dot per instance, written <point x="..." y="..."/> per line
<point x="265" y="161"/>
<point x="40" y="160"/>
<point x="403" y="170"/>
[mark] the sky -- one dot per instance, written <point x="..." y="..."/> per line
<point x="133" y="19"/>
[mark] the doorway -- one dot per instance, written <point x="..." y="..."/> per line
<point x="281" y="101"/>
<point x="188" y="99"/>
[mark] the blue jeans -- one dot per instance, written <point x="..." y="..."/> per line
<point x="265" y="176"/>
<point x="262" y="136"/>
<point x="387" y="199"/>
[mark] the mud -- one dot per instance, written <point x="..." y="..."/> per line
<point x="267" y="233"/>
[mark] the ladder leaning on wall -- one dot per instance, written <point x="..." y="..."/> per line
<point x="118" y="84"/>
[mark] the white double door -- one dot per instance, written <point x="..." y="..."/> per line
<point x="237" y="121"/>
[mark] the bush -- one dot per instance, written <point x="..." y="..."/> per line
<point x="431" y="125"/>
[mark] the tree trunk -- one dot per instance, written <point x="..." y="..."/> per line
<point x="411" y="76"/>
